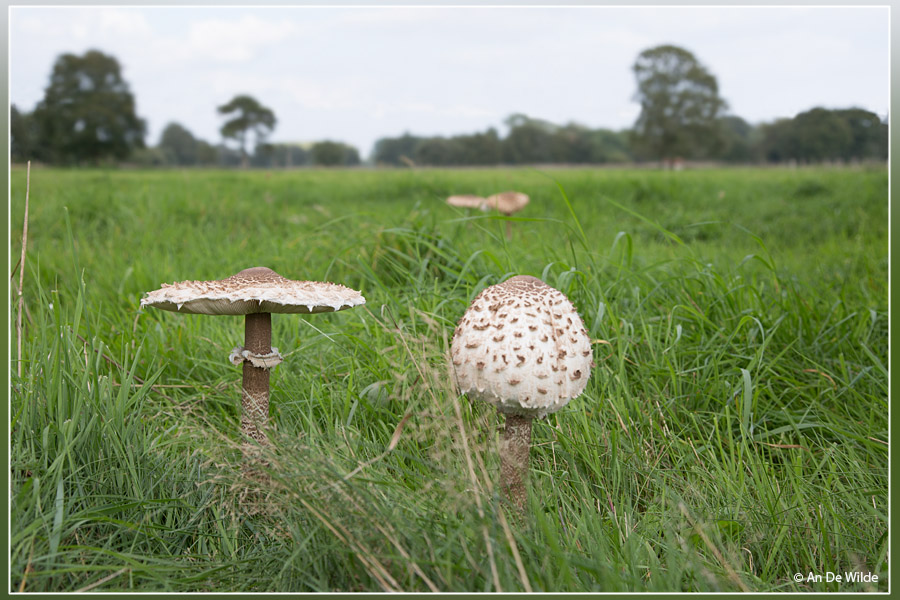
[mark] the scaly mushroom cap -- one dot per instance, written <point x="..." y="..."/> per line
<point x="522" y="347"/>
<point x="255" y="290"/>
<point x="508" y="202"/>
<point x="467" y="201"/>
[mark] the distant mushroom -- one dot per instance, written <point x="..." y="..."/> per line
<point x="508" y="203"/>
<point x="521" y="347"/>
<point x="467" y="201"/>
<point x="256" y="293"/>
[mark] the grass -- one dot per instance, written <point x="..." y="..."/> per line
<point x="733" y="433"/>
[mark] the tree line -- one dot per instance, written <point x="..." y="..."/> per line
<point x="178" y="147"/>
<point x="87" y="116"/>
<point x="683" y="117"/>
<point x="817" y="135"/>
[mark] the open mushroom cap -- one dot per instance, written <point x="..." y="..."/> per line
<point x="508" y="202"/>
<point x="467" y="201"/>
<point x="522" y="347"/>
<point x="254" y="290"/>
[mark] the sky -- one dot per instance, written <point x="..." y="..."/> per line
<point x="357" y="74"/>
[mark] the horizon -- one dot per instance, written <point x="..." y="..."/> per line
<point x="364" y="84"/>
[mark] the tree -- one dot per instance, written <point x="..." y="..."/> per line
<point x="22" y="136"/>
<point x="439" y="151"/>
<point x="679" y="101"/>
<point x="609" y="146"/>
<point x="149" y="157"/>
<point x="819" y="134"/>
<point x="282" y="155"/>
<point x="333" y="154"/>
<point x="529" y="140"/>
<point x="178" y="145"/>
<point x="351" y="156"/>
<point x="869" y="134"/>
<point x="775" y="138"/>
<point x="737" y="140"/>
<point x="251" y="117"/>
<point x="390" y="150"/>
<point x="481" y="148"/>
<point x="207" y="154"/>
<point x="88" y="112"/>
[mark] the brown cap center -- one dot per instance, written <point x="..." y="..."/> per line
<point x="523" y="282"/>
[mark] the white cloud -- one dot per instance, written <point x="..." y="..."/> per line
<point x="387" y="16"/>
<point x="237" y="40"/>
<point x="128" y="23"/>
<point x="314" y="94"/>
<point x="77" y="23"/>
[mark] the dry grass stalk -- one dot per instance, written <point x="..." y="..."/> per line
<point x="732" y="575"/>
<point x="336" y="497"/>
<point x="100" y="582"/>
<point x="474" y="480"/>
<point x="520" y="567"/>
<point x="22" y="274"/>
<point x="430" y="376"/>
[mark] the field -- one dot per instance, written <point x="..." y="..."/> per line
<point x="733" y="433"/>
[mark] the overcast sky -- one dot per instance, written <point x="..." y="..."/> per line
<point x="358" y="74"/>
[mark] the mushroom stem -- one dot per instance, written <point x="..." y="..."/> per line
<point x="515" y="445"/>
<point x="509" y="230"/>
<point x="255" y="397"/>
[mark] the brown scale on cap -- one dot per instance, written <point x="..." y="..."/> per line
<point x="252" y="291"/>
<point x="549" y="332"/>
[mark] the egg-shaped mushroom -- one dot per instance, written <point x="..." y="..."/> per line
<point x="522" y="347"/>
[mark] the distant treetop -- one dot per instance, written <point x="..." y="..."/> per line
<point x="88" y="112"/>
<point x="680" y="104"/>
<point x="251" y="116"/>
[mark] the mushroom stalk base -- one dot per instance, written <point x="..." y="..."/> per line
<point x="255" y="396"/>
<point x="515" y="445"/>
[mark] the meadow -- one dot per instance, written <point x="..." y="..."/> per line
<point x="733" y="433"/>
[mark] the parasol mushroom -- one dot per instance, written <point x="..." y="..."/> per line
<point x="521" y="347"/>
<point x="255" y="293"/>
